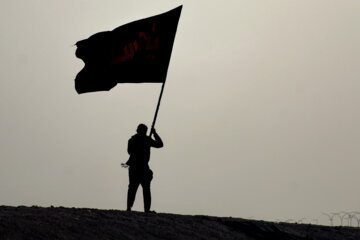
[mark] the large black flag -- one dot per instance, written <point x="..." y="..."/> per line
<point x="133" y="53"/>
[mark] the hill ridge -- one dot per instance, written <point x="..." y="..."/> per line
<point x="86" y="223"/>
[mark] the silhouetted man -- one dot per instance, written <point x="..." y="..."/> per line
<point x="139" y="172"/>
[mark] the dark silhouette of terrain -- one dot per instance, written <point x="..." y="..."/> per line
<point x="80" y="223"/>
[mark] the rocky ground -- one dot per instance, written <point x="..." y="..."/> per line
<point x="80" y="223"/>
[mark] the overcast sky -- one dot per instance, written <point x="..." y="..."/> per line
<point x="260" y="114"/>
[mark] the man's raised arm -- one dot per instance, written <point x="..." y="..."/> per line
<point x="157" y="143"/>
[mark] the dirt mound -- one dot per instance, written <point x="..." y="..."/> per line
<point x="81" y="223"/>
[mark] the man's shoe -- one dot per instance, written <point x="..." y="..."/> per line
<point x="150" y="212"/>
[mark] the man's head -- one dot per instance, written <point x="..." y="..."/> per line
<point x="141" y="129"/>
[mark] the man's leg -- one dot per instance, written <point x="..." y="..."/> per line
<point x="146" y="190"/>
<point x="147" y="196"/>
<point x="133" y="186"/>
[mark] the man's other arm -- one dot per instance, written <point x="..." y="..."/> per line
<point x="130" y="148"/>
<point x="157" y="143"/>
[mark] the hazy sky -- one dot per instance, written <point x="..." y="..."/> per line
<point x="260" y="115"/>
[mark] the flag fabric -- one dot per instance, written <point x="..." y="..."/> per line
<point x="137" y="52"/>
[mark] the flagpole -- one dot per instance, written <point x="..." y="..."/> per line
<point x="157" y="107"/>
